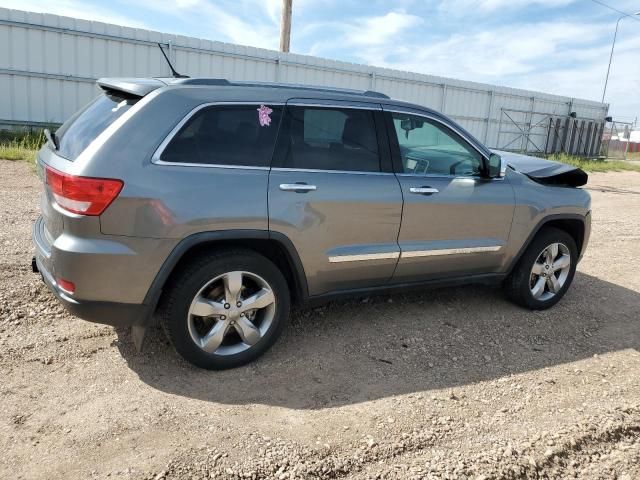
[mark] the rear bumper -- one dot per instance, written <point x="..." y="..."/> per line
<point x="108" y="313"/>
<point x="109" y="276"/>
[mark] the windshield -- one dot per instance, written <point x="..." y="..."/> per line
<point x="84" y="127"/>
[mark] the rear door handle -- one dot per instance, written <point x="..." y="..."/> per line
<point x="423" y="190"/>
<point x="297" y="187"/>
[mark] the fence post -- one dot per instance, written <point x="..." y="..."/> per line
<point x="444" y="98"/>
<point x="488" y="119"/>
<point x="525" y="137"/>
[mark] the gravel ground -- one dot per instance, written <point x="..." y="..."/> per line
<point x="456" y="384"/>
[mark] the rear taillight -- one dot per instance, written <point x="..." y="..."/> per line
<point x="66" y="286"/>
<point x="82" y="195"/>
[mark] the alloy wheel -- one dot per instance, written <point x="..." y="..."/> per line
<point x="231" y="313"/>
<point x="550" y="271"/>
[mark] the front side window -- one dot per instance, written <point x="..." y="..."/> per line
<point x="330" y="138"/>
<point x="242" y="135"/>
<point x="426" y="147"/>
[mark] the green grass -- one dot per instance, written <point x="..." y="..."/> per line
<point x="21" y="145"/>
<point x="589" y="165"/>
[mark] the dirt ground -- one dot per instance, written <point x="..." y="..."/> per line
<point x="456" y="383"/>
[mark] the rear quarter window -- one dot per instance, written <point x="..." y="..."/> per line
<point x="79" y="131"/>
<point x="234" y="135"/>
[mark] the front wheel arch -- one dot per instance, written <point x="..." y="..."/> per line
<point x="573" y="224"/>
<point x="518" y="283"/>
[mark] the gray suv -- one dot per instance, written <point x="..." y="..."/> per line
<point x="214" y="206"/>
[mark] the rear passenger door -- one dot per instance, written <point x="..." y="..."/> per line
<point x="333" y="194"/>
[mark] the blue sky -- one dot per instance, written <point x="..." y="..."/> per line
<point x="556" y="46"/>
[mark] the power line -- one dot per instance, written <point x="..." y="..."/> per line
<point x="616" y="10"/>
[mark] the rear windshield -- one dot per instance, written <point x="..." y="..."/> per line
<point x="84" y="127"/>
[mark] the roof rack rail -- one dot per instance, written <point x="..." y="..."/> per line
<point x="204" y="81"/>
<point x="373" y="93"/>
<point x="297" y="86"/>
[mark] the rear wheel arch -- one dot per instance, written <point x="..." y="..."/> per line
<point x="275" y="247"/>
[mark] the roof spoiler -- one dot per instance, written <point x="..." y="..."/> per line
<point x="134" y="87"/>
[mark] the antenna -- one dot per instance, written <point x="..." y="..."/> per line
<point x="173" y="70"/>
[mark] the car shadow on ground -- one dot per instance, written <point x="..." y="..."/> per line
<point x="365" y="349"/>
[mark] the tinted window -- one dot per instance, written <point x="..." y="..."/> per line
<point x="227" y="135"/>
<point x="426" y="147"/>
<point x="85" y="126"/>
<point x="330" y="139"/>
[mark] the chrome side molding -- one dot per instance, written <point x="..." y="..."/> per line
<point x="366" y="256"/>
<point x="412" y="254"/>
<point x="449" y="251"/>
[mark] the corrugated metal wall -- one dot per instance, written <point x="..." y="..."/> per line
<point x="48" y="65"/>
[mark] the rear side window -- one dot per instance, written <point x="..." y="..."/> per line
<point x="84" y="127"/>
<point x="241" y="135"/>
<point x="330" y="138"/>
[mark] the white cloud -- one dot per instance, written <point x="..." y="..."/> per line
<point x="508" y="50"/>
<point x="359" y="35"/>
<point x="186" y="3"/>
<point x="464" y="6"/>
<point x="380" y="29"/>
<point x="253" y="22"/>
<point x="75" y="9"/>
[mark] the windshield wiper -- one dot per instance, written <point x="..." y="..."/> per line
<point x="51" y="137"/>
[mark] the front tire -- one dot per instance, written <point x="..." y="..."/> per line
<point x="226" y="309"/>
<point x="545" y="271"/>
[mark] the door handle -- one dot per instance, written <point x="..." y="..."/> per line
<point x="297" y="187"/>
<point x="423" y="190"/>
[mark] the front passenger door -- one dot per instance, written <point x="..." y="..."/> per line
<point x="455" y="220"/>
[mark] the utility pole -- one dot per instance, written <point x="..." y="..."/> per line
<point x="606" y="79"/>
<point x="285" y="26"/>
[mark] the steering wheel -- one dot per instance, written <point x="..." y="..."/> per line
<point x="452" y="168"/>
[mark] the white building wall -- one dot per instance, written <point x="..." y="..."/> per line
<point x="49" y="63"/>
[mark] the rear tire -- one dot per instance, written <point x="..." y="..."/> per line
<point x="225" y="309"/>
<point x="544" y="273"/>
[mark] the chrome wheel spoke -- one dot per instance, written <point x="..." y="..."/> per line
<point x="538" y="269"/>
<point x="247" y="331"/>
<point x="232" y="286"/>
<point x="203" y="307"/>
<point x="213" y="339"/>
<point x="562" y="262"/>
<point x="261" y="299"/>
<point x="553" y="284"/>
<point x="538" y="288"/>
<point x="552" y="253"/>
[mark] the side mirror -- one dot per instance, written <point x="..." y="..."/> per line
<point x="497" y="166"/>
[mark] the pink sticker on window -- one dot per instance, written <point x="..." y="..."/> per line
<point x="263" y="115"/>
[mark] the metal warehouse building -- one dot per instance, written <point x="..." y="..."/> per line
<point x="49" y="64"/>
